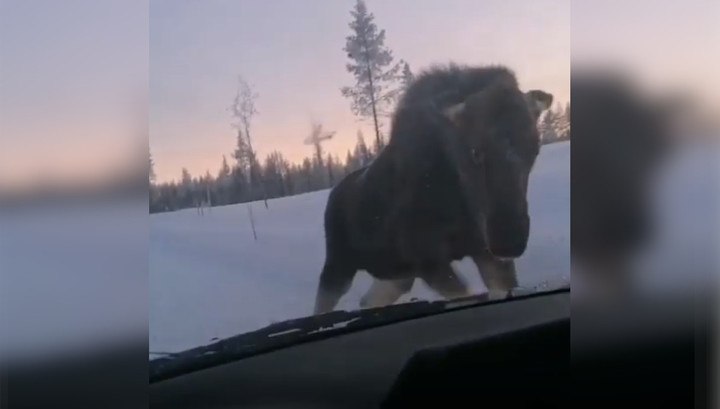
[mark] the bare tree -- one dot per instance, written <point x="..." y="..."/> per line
<point x="243" y="110"/>
<point x="317" y="136"/>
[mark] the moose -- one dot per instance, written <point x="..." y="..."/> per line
<point x="450" y="183"/>
<point x="621" y="139"/>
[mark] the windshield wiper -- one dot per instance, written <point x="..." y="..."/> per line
<point x="306" y="329"/>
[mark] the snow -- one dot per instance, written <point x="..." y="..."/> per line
<point x="72" y="276"/>
<point x="77" y="276"/>
<point x="685" y="251"/>
<point x="337" y="325"/>
<point x="210" y="278"/>
<point x="290" y="331"/>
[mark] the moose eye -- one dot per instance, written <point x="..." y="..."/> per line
<point x="477" y="156"/>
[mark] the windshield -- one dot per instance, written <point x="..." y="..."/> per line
<point x="316" y="167"/>
<point x="263" y="111"/>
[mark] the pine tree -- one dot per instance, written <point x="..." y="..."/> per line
<point x="371" y="63"/>
<point x="362" y="153"/>
<point x="207" y="183"/>
<point x="151" y="164"/>
<point x="330" y="163"/>
<point x="275" y="171"/>
<point x="186" y="178"/>
<point x="222" y="183"/>
<point x="153" y="191"/>
<point x="224" y="172"/>
<point x="350" y="164"/>
<point x="407" y="77"/>
<point x="562" y="122"/>
<point x="378" y="147"/>
<point x="238" y="191"/>
<point x="242" y="153"/>
<point x="315" y="139"/>
<point x="567" y="111"/>
<point x="290" y="179"/>
<point x="547" y="127"/>
<point x="567" y="118"/>
<point x="338" y="168"/>
<point x="307" y="175"/>
<point x="186" y="188"/>
<point x="555" y="124"/>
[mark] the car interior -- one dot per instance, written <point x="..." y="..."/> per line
<point x="515" y="353"/>
<point x="479" y="348"/>
<point x="518" y="352"/>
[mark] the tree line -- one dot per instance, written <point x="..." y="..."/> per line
<point x="277" y="177"/>
<point x="554" y="125"/>
<point x="274" y="177"/>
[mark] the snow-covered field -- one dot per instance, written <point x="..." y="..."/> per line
<point x="72" y="277"/>
<point x="209" y="278"/>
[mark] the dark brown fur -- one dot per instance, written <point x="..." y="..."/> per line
<point x="451" y="183"/>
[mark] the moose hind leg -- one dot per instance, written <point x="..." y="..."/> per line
<point x="335" y="281"/>
<point x="446" y="282"/>
<point x="385" y="292"/>
<point x="498" y="275"/>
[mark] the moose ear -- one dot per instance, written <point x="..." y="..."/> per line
<point x="538" y="101"/>
<point x="454" y="112"/>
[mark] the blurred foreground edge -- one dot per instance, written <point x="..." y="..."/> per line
<point x="649" y="351"/>
<point x="113" y="376"/>
<point x="314" y="328"/>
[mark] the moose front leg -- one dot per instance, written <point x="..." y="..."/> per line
<point x="385" y="292"/>
<point x="446" y="282"/>
<point x="498" y="275"/>
<point x="335" y="281"/>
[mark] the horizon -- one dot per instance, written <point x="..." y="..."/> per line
<point x="557" y="107"/>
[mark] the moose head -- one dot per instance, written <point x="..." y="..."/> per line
<point x="494" y="144"/>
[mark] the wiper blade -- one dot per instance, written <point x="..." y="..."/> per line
<point x="280" y="335"/>
<point x="306" y="329"/>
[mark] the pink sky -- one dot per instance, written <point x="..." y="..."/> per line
<point x="73" y="88"/>
<point x="72" y="72"/>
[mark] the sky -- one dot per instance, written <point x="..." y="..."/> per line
<point x="81" y="81"/>
<point x="73" y="87"/>
<point x="291" y="53"/>
<point x="667" y="45"/>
